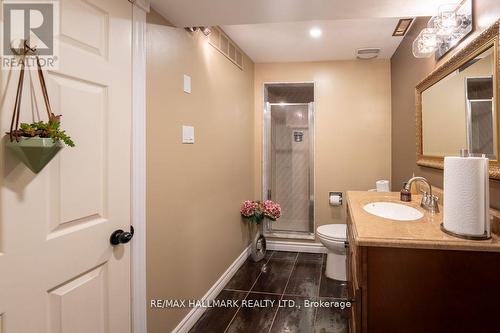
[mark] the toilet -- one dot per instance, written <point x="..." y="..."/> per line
<point x="333" y="237"/>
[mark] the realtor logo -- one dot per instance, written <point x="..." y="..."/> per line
<point x="33" y="22"/>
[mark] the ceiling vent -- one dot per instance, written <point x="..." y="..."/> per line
<point x="226" y="46"/>
<point x="402" y="27"/>
<point x="367" y="53"/>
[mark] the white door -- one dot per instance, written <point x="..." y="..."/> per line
<point x="58" y="270"/>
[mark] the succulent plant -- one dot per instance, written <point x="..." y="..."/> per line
<point x="50" y="129"/>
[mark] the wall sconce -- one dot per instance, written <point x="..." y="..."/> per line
<point x="206" y="30"/>
<point x="444" y="30"/>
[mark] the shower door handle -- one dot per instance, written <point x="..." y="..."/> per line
<point x="268" y="194"/>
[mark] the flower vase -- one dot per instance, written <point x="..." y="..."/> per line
<point x="258" y="248"/>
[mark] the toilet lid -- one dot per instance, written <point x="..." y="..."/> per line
<point x="333" y="231"/>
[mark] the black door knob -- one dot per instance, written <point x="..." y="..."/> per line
<point x="121" y="237"/>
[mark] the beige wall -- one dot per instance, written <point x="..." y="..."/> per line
<point x="194" y="230"/>
<point x="352" y="125"/>
<point x="406" y="72"/>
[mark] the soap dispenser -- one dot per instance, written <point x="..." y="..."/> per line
<point x="405" y="194"/>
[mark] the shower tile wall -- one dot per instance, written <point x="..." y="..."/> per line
<point x="290" y="166"/>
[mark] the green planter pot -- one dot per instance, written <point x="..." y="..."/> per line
<point x="35" y="152"/>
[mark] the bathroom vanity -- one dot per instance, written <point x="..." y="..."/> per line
<point x="409" y="276"/>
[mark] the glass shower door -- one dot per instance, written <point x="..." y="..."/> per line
<point x="289" y="168"/>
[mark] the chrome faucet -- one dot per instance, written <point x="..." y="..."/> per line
<point x="429" y="201"/>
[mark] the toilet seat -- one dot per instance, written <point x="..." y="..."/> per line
<point x="334" y="232"/>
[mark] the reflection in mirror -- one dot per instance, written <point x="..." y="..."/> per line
<point x="480" y="116"/>
<point x="459" y="111"/>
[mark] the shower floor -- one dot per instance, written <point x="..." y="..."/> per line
<point x="298" y="277"/>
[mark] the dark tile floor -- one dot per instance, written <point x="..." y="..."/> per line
<point x="281" y="277"/>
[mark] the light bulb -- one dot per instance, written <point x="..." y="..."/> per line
<point x="425" y="44"/>
<point x="315" y="32"/>
<point x="449" y="19"/>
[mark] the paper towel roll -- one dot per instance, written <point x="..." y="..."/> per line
<point x="466" y="195"/>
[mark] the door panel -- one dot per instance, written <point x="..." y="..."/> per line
<point x="59" y="272"/>
<point x="79" y="305"/>
<point x="88" y="161"/>
<point x="95" y="37"/>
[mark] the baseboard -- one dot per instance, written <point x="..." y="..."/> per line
<point x="192" y="317"/>
<point x="295" y="246"/>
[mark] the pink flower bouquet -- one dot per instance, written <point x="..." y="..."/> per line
<point x="255" y="211"/>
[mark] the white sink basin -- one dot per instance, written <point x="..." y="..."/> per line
<point x="393" y="211"/>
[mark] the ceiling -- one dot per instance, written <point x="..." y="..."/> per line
<point x="186" y="13"/>
<point x="278" y="30"/>
<point x="290" y="42"/>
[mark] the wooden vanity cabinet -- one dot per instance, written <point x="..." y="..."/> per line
<point x="355" y="283"/>
<point x="422" y="290"/>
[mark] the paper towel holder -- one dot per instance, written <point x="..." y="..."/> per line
<point x="333" y="194"/>
<point x="484" y="236"/>
<point x="487" y="230"/>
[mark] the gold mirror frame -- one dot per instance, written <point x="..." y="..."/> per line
<point x="488" y="38"/>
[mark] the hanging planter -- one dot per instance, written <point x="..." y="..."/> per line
<point x="37" y="143"/>
<point x="35" y="152"/>
<point x="255" y="212"/>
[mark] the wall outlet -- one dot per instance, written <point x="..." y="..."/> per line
<point x="187" y="134"/>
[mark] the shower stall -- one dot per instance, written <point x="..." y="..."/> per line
<point x="288" y="168"/>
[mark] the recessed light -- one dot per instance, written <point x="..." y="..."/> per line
<point x="315" y="32"/>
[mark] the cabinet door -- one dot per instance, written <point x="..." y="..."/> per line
<point x="354" y="289"/>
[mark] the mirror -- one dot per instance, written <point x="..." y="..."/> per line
<point x="458" y="111"/>
<point x="457" y="105"/>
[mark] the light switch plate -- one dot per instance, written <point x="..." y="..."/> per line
<point x="187" y="84"/>
<point x="188" y="134"/>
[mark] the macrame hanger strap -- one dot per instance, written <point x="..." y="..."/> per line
<point x="44" y="88"/>
<point x="17" y="104"/>
<point x="14" y="124"/>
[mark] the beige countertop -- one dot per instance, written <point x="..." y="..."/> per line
<point x="425" y="233"/>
